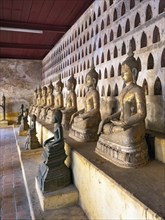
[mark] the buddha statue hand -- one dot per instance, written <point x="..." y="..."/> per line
<point x="84" y="116"/>
<point x="119" y="123"/>
<point x="102" y="123"/>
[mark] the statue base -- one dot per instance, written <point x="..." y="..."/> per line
<point x="83" y="135"/>
<point x="134" y="155"/>
<point x="61" y="198"/>
<point x="3" y="123"/>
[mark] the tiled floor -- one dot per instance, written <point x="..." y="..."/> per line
<point x="13" y="200"/>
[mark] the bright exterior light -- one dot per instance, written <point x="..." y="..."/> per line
<point x="21" y="30"/>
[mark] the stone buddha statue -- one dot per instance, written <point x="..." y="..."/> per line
<point x="122" y="139"/>
<point x="34" y="102"/>
<point x="53" y="174"/>
<point x="84" y="123"/>
<point x="42" y="101"/>
<point x="49" y="102"/>
<point x="58" y="102"/>
<point x="39" y="96"/>
<point x="70" y="103"/>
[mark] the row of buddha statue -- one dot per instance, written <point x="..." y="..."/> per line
<point x="121" y="136"/>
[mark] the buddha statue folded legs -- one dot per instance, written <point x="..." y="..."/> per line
<point x="122" y="140"/>
<point x="84" y="123"/>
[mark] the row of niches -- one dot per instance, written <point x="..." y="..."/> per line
<point x="100" y="43"/>
<point x="104" y="23"/>
<point x="110" y="70"/>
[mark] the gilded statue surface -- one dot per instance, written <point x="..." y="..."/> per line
<point x="70" y="103"/>
<point x="123" y="133"/>
<point x="39" y="97"/>
<point x="84" y="123"/>
<point x="41" y="113"/>
<point x="58" y="102"/>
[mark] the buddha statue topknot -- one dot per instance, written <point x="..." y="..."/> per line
<point x="84" y="123"/>
<point x="70" y="103"/>
<point x="122" y="134"/>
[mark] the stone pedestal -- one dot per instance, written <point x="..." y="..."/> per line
<point x="160" y="149"/>
<point x="53" y="174"/>
<point x="88" y="135"/>
<point x="58" y="199"/>
<point x="134" y="155"/>
<point x="3" y="123"/>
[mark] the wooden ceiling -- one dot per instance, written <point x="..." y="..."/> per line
<point x="54" y="17"/>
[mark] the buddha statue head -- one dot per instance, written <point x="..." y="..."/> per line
<point x="59" y="85"/>
<point x="91" y="78"/>
<point x="58" y="116"/>
<point x="50" y="88"/>
<point x="71" y="83"/>
<point x="44" y="91"/>
<point x="130" y="67"/>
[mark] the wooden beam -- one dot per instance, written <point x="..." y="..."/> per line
<point x="27" y="57"/>
<point x="26" y="46"/>
<point x="34" y="26"/>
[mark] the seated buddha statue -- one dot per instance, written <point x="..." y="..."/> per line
<point x="53" y="174"/>
<point x="84" y="123"/>
<point x="49" y="102"/>
<point x="42" y="102"/>
<point x="39" y="96"/>
<point x="58" y="102"/>
<point x="122" y="139"/>
<point x="70" y="103"/>
<point x="34" y="102"/>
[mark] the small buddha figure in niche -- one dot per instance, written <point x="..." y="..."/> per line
<point x="122" y="139"/>
<point x="58" y="102"/>
<point x="84" y="123"/>
<point x="49" y="102"/>
<point x="53" y="174"/>
<point x="34" y="102"/>
<point x="70" y="103"/>
<point x="43" y="101"/>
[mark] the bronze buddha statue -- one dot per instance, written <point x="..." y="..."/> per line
<point x="122" y="139"/>
<point x="84" y="123"/>
<point x="70" y="103"/>
<point x="58" y="102"/>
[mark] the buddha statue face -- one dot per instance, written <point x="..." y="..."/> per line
<point x="90" y="82"/>
<point x="126" y="73"/>
<point x="69" y="86"/>
<point x="58" y="88"/>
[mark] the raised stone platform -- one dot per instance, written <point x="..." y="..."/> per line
<point x="110" y="192"/>
<point x="61" y="198"/>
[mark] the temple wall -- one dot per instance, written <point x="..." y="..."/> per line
<point x="19" y="78"/>
<point x="103" y="33"/>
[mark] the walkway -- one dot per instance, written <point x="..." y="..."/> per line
<point x="13" y="200"/>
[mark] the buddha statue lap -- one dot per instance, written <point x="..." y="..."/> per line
<point x="84" y="123"/>
<point x="58" y="102"/>
<point x="70" y="103"/>
<point x="122" y="140"/>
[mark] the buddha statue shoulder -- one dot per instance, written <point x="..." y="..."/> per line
<point x="84" y="123"/>
<point x="70" y="103"/>
<point x="123" y="133"/>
